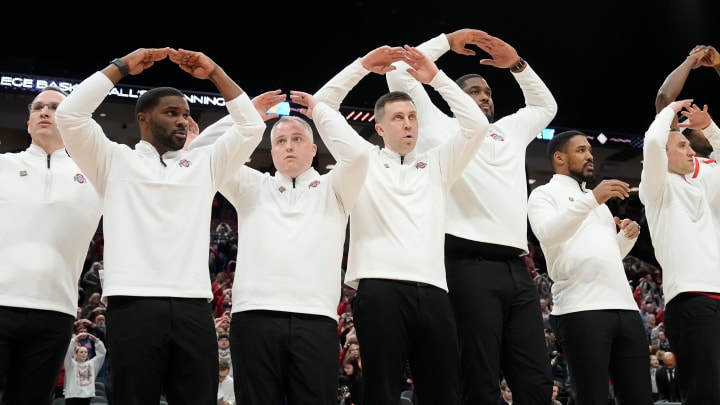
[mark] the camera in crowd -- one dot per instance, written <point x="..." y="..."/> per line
<point x="343" y="390"/>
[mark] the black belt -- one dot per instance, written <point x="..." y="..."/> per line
<point x="456" y="247"/>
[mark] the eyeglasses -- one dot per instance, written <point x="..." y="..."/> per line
<point x="37" y="107"/>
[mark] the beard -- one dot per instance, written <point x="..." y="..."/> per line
<point x="583" y="175"/>
<point x="490" y="116"/>
<point x="166" y="137"/>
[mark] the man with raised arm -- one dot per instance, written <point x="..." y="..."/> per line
<point x="158" y="199"/>
<point x="495" y="300"/>
<point x="401" y="309"/>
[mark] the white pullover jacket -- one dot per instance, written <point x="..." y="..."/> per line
<point x="49" y="213"/>
<point x="157" y="208"/>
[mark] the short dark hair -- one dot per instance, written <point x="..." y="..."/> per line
<point x="389" y="98"/>
<point x="152" y="97"/>
<point x="559" y="143"/>
<point x="223" y="365"/>
<point x="462" y="79"/>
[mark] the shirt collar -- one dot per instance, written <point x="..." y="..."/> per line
<point x="570" y="182"/>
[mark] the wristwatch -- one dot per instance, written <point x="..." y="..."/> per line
<point x="121" y="65"/>
<point x="519" y="66"/>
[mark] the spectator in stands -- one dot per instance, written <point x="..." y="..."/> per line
<point x="218" y="286"/>
<point x="94" y="303"/>
<point x="550" y="340"/>
<point x="85" y="338"/>
<point x="647" y="308"/>
<point x="81" y="370"/>
<point x="223" y="230"/>
<point x="91" y="280"/>
<point x="98" y="320"/>
<point x="545" y="311"/>
<point x="662" y="341"/>
<point x="557" y="387"/>
<point x="654" y="366"/>
<point x="218" y="259"/>
<point x="344" y="309"/>
<point x="226" y="386"/>
<point x="505" y="394"/>
<point x="559" y="367"/>
<point x="44" y="242"/>
<point x="651" y="328"/>
<point x="667" y="379"/>
<point x="345" y="350"/>
<point x="224" y="303"/>
<point x="346" y="328"/>
<point x="291" y="232"/>
<point x="543" y="287"/>
<point x="353" y="379"/>
<point x="156" y="225"/>
<point x="222" y="324"/>
<point x="224" y="350"/>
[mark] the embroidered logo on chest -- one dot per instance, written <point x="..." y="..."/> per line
<point x="314" y="184"/>
<point x="79" y="178"/>
<point x="420" y="165"/>
<point x="497" y="137"/>
<point x="184" y="163"/>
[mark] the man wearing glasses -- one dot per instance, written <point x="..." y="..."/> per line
<point x="49" y="213"/>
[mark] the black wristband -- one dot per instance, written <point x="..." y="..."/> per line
<point x="519" y="66"/>
<point x="120" y="65"/>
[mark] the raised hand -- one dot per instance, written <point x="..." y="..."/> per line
<point x="193" y="130"/>
<point x="380" y="60"/>
<point x="503" y="55"/>
<point x="680" y="104"/>
<point x="141" y="59"/>
<point x="630" y="227"/>
<point x="705" y="55"/>
<point x="608" y="189"/>
<point x="422" y="68"/>
<point x="304" y="99"/>
<point x="696" y="118"/>
<point x="266" y="101"/>
<point x="199" y="65"/>
<point x="711" y="58"/>
<point x="460" y="39"/>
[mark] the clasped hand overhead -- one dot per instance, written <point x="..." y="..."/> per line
<point x="197" y="64"/>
